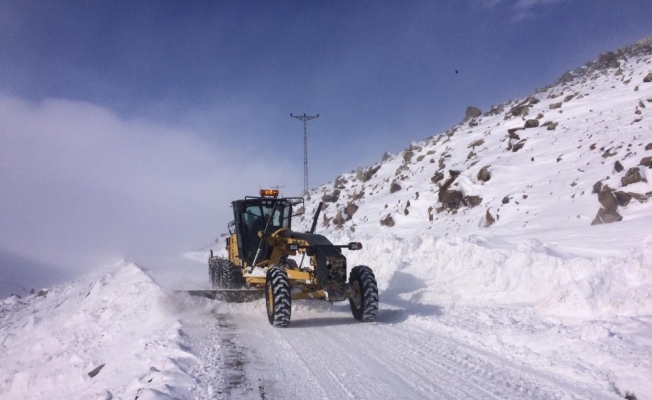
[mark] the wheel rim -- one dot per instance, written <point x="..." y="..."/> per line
<point x="270" y="300"/>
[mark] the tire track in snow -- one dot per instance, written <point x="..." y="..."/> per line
<point x="328" y="355"/>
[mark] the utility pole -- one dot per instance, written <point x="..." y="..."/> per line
<point x="305" y="118"/>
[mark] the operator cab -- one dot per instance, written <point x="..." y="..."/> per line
<point x="252" y="215"/>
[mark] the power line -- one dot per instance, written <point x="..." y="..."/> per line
<point x="305" y="118"/>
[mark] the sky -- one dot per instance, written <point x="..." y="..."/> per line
<point x="127" y="128"/>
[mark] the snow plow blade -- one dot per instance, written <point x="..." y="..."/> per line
<point x="230" y="295"/>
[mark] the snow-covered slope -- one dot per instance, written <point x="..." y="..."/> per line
<point x="50" y="341"/>
<point x="503" y="208"/>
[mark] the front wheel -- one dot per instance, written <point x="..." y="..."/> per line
<point x="278" y="297"/>
<point x="364" y="302"/>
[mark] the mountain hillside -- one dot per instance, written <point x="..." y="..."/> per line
<point x="542" y="200"/>
<point x="551" y="160"/>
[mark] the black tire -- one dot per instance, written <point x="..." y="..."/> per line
<point x="231" y="275"/>
<point x="215" y="272"/>
<point x="364" y="303"/>
<point x="291" y="264"/>
<point x="278" y="297"/>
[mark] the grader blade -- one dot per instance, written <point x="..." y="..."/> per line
<point x="230" y="295"/>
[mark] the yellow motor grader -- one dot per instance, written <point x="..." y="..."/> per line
<point x="259" y="248"/>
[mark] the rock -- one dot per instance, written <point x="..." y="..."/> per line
<point x="484" y="175"/>
<point x="633" y="175"/>
<point x="505" y="200"/>
<point x="452" y="199"/>
<point x="551" y="126"/>
<point x="533" y="100"/>
<point x="606" y="217"/>
<point x="388" y="221"/>
<point x="407" y="155"/>
<point x="331" y="198"/>
<point x="442" y="163"/>
<point x="608" y="60"/>
<point x="475" y="143"/>
<point x="420" y="158"/>
<point x="437" y="177"/>
<point x="648" y="78"/>
<point x="618" y="166"/>
<point x="357" y="196"/>
<point x="96" y="371"/>
<point x="555" y="106"/>
<point x="514" y="136"/>
<point x="639" y="197"/>
<point x="339" y="219"/>
<point x="364" y="175"/>
<point x="489" y="219"/>
<point x="471" y="112"/>
<point x="514" y="130"/>
<point x="597" y="187"/>
<point x="473" y="201"/>
<point x="395" y="187"/>
<point x="339" y="182"/>
<point x="646" y="162"/>
<point x="623" y="198"/>
<point x="454" y="174"/>
<point x="608" y="153"/>
<point x="608" y="199"/>
<point x="470" y="155"/>
<point x="648" y="146"/>
<point x="531" y="123"/>
<point x="387" y="156"/>
<point x="518" y="146"/>
<point x="42" y="293"/>
<point x="568" y="98"/>
<point x="350" y="210"/>
<point x="520" y="110"/>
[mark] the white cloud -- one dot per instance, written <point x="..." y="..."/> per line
<point x="526" y="9"/>
<point x="80" y="186"/>
<point x="527" y="4"/>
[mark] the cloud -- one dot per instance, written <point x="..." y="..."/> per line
<point x="489" y="3"/>
<point x="526" y="9"/>
<point x="522" y="9"/>
<point x="80" y="186"/>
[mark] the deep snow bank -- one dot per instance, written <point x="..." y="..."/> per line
<point x="49" y="342"/>
<point x="474" y="270"/>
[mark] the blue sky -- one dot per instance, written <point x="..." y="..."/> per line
<point x="208" y="87"/>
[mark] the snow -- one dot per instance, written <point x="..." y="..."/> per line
<point x="540" y="304"/>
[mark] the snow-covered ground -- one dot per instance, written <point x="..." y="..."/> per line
<point x="537" y="304"/>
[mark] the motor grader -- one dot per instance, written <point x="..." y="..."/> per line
<point x="259" y="248"/>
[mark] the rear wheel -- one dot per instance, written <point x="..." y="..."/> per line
<point x="231" y="275"/>
<point x="215" y="272"/>
<point x="364" y="303"/>
<point x="278" y="297"/>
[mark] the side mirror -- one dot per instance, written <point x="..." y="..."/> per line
<point x="354" y="246"/>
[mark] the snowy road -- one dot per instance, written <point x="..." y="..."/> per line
<point x="325" y="354"/>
